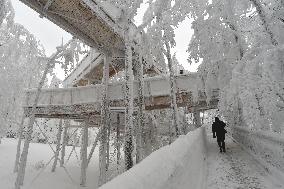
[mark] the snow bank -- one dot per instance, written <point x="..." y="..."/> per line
<point x="267" y="148"/>
<point x="179" y="165"/>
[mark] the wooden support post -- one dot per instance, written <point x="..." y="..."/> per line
<point x="84" y="154"/>
<point x="64" y="142"/>
<point x="104" y="122"/>
<point x="58" y="140"/>
<point x="20" y="135"/>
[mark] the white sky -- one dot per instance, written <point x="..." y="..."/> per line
<point x="50" y="35"/>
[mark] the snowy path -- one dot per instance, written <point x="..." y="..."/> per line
<point x="235" y="169"/>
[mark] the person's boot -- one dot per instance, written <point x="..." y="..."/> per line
<point x="220" y="150"/>
<point x="224" y="150"/>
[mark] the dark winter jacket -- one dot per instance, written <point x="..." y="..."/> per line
<point x="218" y="129"/>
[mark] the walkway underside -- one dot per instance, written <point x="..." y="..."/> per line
<point x="82" y="102"/>
<point x="82" y="111"/>
<point x="86" y="19"/>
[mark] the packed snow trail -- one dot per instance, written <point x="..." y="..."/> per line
<point x="235" y="169"/>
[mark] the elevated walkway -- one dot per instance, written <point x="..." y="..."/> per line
<point x="94" y="22"/>
<point x="90" y="70"/>
<point x="79" y="102"/>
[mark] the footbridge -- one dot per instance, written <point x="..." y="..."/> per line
<point x="79" y="102"/>
<point x="95" y="23"/>
<point x="90" y="70"/>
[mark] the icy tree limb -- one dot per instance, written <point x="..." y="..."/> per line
<point x="58" y="140"/>
<point x="264" y="21"/>
<point x="233" y="26"/>
<point x="173" y="90"/>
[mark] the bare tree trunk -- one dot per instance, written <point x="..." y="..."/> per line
<point x="104" y="122"/>
<point x="264" y="21"/>
<point x="84" y="162"/>
<point x="58" y="138"/>
<point x="141" y="107"/>
<point x="129" y="106"/>
<point x="64" y="142"/>
<point x="173" y="91"/>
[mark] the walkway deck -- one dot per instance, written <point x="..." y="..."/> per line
<point x="77" y="102"/>
<point x="236" y="169"/>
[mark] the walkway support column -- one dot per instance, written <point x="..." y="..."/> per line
<point x="128" y="146"/>
<point x="64" y="142"/>
<point x="118" y="141"/>
<point x="58" y="140"/>
<point x="104" y="121"/>
<point x="20" y="135"/>
<point x="197" y="119"/>
<point x="84" y="162"/>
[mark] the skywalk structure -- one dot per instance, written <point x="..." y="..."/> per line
<point x="89" y="96"/>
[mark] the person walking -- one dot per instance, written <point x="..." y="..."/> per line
<point x="219" y="131"/>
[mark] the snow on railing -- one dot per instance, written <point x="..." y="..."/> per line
<point x="155" y="86"/>
<point x="266" y="147"/>
<point x="179" y="165"/>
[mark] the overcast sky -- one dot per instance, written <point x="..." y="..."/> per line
<point x="50" y="35"/>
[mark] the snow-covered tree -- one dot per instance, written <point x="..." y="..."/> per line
<point x="21" y="66"/>
<point x="233" y="39"/>
<point x="161" y="34"/>
<point x="6" y="12"/>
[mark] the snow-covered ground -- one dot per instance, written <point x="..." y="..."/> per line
<point x="46" y="180"/>
<point x="176" y="166"/>
<point x="236" y="169"/>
